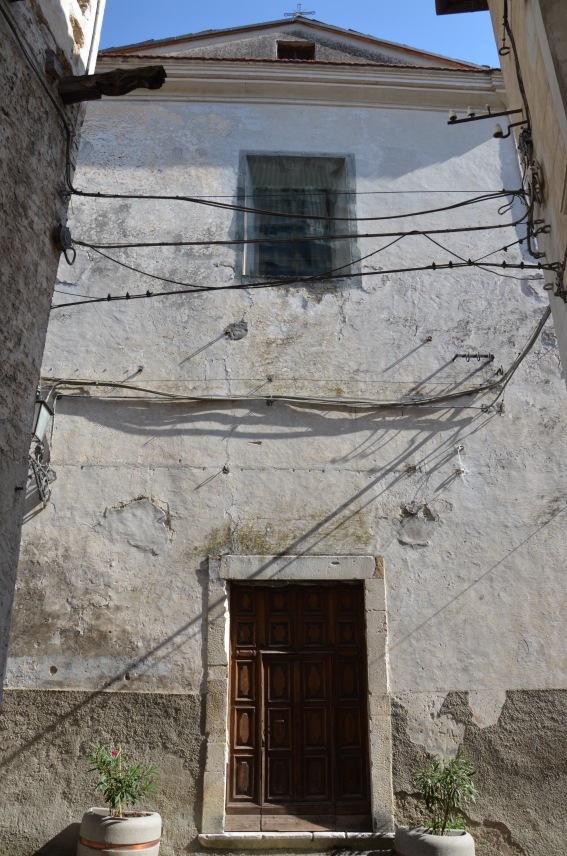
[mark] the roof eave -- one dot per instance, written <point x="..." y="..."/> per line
<point x="453" y="7"/>
<point x="205" y="34"/>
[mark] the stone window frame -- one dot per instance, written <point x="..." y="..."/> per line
<point x="223" y="570"/>
<point x="348" y="251"/>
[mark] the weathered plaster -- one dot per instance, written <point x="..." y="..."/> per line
<point x="486" y="706"/>
<point x="463" y="500"/>
<point x="429" y="729"/>
<point x="142" y="522"/>
<point x="520" y="771"/>
<point x="46" y="786"/>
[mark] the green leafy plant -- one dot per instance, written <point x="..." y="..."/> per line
<point x="122" y="782"/>
<point x="445" y="785"/>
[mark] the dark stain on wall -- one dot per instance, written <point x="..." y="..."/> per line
<point x="521" y="772"/>
<point x="46" y="787"/>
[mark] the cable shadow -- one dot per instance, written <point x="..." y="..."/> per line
<point x="405" y="357"/>
<point x="143" y="420"/>
<point x="109" y="684"/>
<point x="320" y="525"/>
<point x="297" y="548"/>
<point x="475" y="582"/>
<point x="449" y="385"/>
<point x="201" y="349"/>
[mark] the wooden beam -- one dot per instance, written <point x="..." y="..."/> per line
<point x="121" y="81"/>
<point x="452" y="7"/>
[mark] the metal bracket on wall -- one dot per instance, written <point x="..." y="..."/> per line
<point x="64" y="242"/>
<point x="42" y="473"/>
<point x="472" y="116"/>
<point x="468" y="357"/>
<point x="560" y="290"/>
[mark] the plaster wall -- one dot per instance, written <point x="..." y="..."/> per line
<point x="464" y="501"/>
<point x="32" y="165"/>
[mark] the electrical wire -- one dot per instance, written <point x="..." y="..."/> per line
<point x="230" y="242"/>
<point x="508" y="375"/>
<point x="477" y="191"/>
<point x="477" y="262"/>
<point x="319" y="277"/>
<point x="192" y="288"/>
<point x="31" y="62"/>
<point x="499" y="384"/>
<point x="520" y="79"/>
<point x="229" y="206"/>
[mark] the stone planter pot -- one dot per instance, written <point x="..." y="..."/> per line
<point x="416" y="841"/>
<point x="135" y="832"/>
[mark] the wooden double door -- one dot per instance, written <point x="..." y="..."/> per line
<point x="299" y="722"/>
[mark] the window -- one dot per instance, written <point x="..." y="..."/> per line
<point x="313" y="193"/>
<point x="298" y="718"/>
<point x="296" y="50"/>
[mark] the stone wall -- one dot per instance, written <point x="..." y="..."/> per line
<point x="33" y="146"/>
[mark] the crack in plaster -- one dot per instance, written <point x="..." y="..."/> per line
<point x="342" y="314"/>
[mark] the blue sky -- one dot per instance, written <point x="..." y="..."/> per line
<point x="410" y="22"/>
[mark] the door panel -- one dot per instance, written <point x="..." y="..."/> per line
<point x="299" y="724"/>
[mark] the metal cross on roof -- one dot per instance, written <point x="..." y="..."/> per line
<point x="299" y="13"/>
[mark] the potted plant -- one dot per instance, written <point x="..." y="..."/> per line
<point x="445" y="785"/>
<point x="123" y="783"/>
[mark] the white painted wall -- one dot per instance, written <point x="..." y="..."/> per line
<point x="466" y="506"/>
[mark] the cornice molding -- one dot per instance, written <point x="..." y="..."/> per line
<point x="189" y="79"/>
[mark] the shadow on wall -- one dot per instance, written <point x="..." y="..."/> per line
<point x="217" y="419"/>
<point x="62" y="844"/>
<point x="52" y="732"/>
<point x="403" y="144"/>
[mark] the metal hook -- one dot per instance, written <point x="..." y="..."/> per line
<point x="64" y="242"/>
<point x="70" y="250"/>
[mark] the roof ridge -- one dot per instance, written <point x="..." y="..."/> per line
<point x="287" y="23"/>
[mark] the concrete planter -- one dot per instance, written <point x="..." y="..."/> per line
<point x="417" y="841"/>
<point x="135" y="832"/>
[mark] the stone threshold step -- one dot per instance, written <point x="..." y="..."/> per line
<point x="297" y="840"/>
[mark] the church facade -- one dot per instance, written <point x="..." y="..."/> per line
<point x="307" y="524"/>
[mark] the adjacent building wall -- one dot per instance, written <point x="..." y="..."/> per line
<point x="535" y="59"/>
<point x="270" y="450"/>
<point x="539" y="28"/>
<point x="32" y="165"/>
